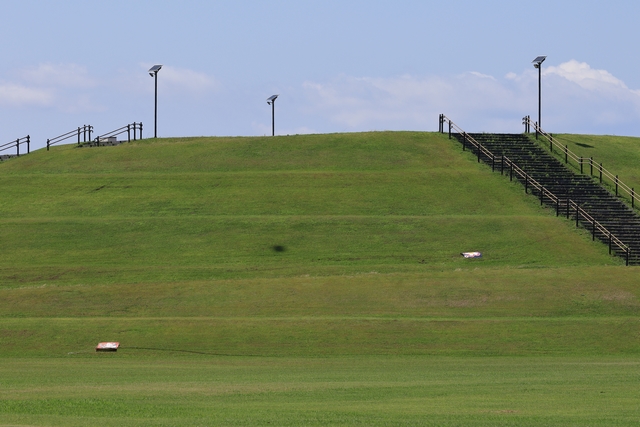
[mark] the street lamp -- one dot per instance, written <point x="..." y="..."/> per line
<point x="272" y="101"/>
<point x="153" y="72"/>
<point x="537" y="63"/>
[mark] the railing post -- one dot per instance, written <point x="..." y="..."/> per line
<point x="90" y="130"/>
<point x="537" y="130"/>
<point x="78" y="135"/>
<point x="568" y="207"/>
<point x="47" y="144"/>
<point x="129" y="132"/>
<point x="551" y="143"/>
<point x="557" y="206"/>
<point x="18" y="147"/>
<point x="577" y="215"/>
<point x="628" y="253"/>
<point x="566" y="154"/>
<point x="449" y="129"/>
<point x="526" y="183"/>
<point x="541" y="195"/>
<point x="610" y="243"/>
<point x="502" y="165"/>
<point x="580" y="158"/>
<point x="464" y="141"/>
<point x="591" y="165"/>
<point x="616" y="185"/>
<point x="478" y="151"/>
<point x="140" y="130"/>
<point x="510" y="170"/>
<point x="493" y="162"/>
<point x="28" y="144"/>
<point x="601" y="173"/>
<point x="593" y="236"/>
<point x="633" y="197"/>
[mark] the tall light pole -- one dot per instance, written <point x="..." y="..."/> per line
<point x="537" y="63"/>
<point x="272" y="101"/>
<point x="153" y="72"/>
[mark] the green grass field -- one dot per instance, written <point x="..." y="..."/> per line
<point x="304" y="280"/>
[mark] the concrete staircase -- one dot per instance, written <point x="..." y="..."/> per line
<point x="621" y="220"/>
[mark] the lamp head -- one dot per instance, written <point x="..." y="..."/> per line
<point x="153" y="71"/>
<point x="538" y="61"/>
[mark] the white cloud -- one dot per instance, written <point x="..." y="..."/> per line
<point x="576" y="98"/>
<point x="174" y="80"/>
<point x="13" y="94"/>
<point x="585" y="76"/>
<point x="58" y="75"/>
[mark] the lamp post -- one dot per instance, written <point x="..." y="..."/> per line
<point x="272" y="101"/>
<point x="153" y="72"/>
<point x="537" y="63"/>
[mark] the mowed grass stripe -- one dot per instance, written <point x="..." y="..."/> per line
<point x="456" y="292"/>
<point x="323" y="337"/>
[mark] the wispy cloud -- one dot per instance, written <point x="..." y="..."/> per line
<point x="576" y="98"/>
<point x="174" y="80"/>
<point x="14" y="94"/>
<point x="58" y="75"/>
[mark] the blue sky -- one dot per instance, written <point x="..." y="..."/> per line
<point x="339" y="66"/>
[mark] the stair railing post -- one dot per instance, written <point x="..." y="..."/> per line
<point x="18" y="147"/>
<point x="557" y="206"/>
<point x="600" y="173"/>
<point x="526" y="183"/>
<point x="493" y="162"/>
<point x="28" y="144"/>
<point x="591" y="164"/>
<point x="610" y="243"/>
<point x="464" y="141"/>
<point x="128" y="133"/>
<point x="577" y="215"/>
<point x="510" y="170"/>
<point x="78" y="135"/>
<point x="47" y="145"/>
<point x="633" y="197"/>
<point x="537" y="130"/>
<point x="566" y="154"/>
<point x="628" y="253"/>
<point x="551" y="143"/>
<point x="581" y="171"/>
<point x="140" y="130"/>
<point x="502" y="165"/>
<point x="616" y="185"/>
<point x="478" y="150"/>
<point x="449" y="129"/>
<point x="541" y="195"/>
<point x="593" y="235"/>
<point x="568" y="206"/>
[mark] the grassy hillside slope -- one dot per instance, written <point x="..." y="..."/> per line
<point x="297" y="280"/>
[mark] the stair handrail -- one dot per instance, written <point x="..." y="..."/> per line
<point x="542" y="191"/>
<point x="81" y="130"/>
<point x="124" y="129"/>
<point x="16" y="143"/>
<point x="581" y="161"/>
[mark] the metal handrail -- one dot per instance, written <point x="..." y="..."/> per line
<point x="17" y="143"/>
<point x="124" y="129"/>
<point x="84" y="130"/>
<point x="581" y="161"/>
<point x="571" y="205"/>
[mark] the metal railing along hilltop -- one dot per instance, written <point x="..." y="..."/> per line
<point x="16" y="144"/>
<point x="84" y="131"/>
<point x="110" y="137"/>
<point x="602" y="173"/>
<point x="505" y="163"/>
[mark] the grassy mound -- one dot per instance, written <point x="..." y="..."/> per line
<point x="212" y="258"/>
